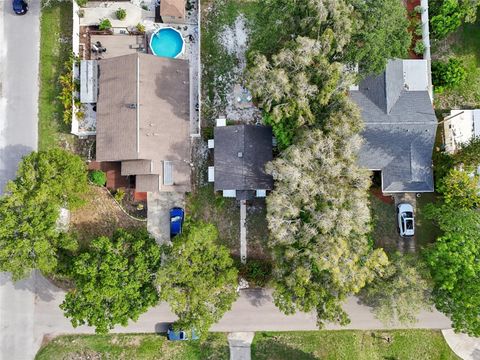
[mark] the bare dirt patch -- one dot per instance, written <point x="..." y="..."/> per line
<point x="100" y="216"/>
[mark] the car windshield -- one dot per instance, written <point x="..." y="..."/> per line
<point x="17" y="5"/>
<point x="176" y="218"/>
<point x="409" y="224"/>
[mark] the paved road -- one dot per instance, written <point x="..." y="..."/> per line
<point x="19" y="51"/>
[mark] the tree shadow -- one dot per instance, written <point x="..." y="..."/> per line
<point x="257" y="297"/>
<point x="36" y="283"/>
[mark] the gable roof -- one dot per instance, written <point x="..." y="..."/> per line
<point x="174" y="8"/>
<point x="400" y="126"/>
<point x="143" y="115"/>
<point x="241" y="153"/>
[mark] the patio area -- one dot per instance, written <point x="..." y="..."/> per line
<point x="98" y="10"/>
<point x="118" y="45"/>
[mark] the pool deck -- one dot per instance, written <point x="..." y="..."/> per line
<point x="118" y="45"/>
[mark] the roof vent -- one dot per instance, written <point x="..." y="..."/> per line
<point x="240" y="154"/>
<point x="132" y="106"/>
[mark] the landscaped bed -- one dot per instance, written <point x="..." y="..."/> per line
<point x="146" y="347"/>
<point x="347" y="345"/>
<point x="100" y="216"/>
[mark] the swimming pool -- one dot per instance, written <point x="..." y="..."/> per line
<point x="167" y="42"/>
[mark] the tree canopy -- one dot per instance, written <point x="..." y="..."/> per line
<point x="29" y="210"/>
<point x="401" y="293"/>
<point x="197" y="278"/>
<point x="296" y="85"/>
<point x="114" y="280"/>
<point x="447" y="15"/>
<point x="319" y="220"/>
<point x="453" y="259"/>
<point x="381" y="33"/>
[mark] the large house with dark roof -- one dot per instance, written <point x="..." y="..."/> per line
<point x="143" y="120"/>
<point x="400" y="126"/>
<point x="241" y="153"/>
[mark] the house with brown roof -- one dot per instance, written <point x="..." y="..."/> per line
<point x="143" y="120"/>
<point x="172" y="11"/>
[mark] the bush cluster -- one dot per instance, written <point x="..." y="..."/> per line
<point x="446" y="75"/>
<point x="98" y="177"/>
<point x="121" y="14"/>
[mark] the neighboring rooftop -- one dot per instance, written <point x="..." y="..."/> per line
<point x="143" y="120"/>
<point x="400" y="126"/>
<point x="241" y="153"/>
<point x="172" y="8"/>
<point x="459" y="127"/>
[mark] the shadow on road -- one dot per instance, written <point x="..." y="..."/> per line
<point x="257" y="297"/>
<point x="10" y="156"/>
<point x="36" y="283"/>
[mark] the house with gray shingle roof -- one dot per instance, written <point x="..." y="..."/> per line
<point x="400" y="126"/>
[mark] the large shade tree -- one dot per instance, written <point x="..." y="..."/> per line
<point x="381" y="33"/>
<point x="113" y="280"/>
<point x="297" y="85"/>
<point x="401" y="293"/>
<point x="29" y="236"/>
<point x="197" y="278"/>
<point x="319" y="220"/>
<point x="454" y="257"/>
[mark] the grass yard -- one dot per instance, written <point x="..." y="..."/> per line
<point x="349" y="345"/>
<point x="385" y="233"/>
<point x="138" y="347"/>
<point x="426" y="230"/>
<point x="206" y="205"/>
<point x="465" y="45"/>
<point x="100" y="216"/>
<point x="55" y="49"/>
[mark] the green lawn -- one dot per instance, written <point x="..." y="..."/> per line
<point x="129" y="347"/>
<point x="385" y="233"/>
<point x="205" y="205"/>
<point x="426" y="229"/>
<point x="352" y="345"/>
<point x="55" y="48"/>
<point x="465" y="45"/>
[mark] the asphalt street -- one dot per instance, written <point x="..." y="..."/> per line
<point x="19" y="53"/>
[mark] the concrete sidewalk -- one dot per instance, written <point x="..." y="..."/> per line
<point x="468" y="348"/>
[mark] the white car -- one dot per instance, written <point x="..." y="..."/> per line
<point x="406" y="222"/>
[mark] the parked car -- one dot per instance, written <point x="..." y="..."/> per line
<point x="177" y="216"/>
<point x="180" y="335"/>
<point x="406" y="222"/>
<point x="20" y="7"/>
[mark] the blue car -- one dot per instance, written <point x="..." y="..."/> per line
<point x="20" y="7"/>
<point x="177" y="216"/>
<point x="180" y="335"/>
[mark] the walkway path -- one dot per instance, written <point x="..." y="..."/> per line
<point x="243" y="231"/>
<point x="240" y="343"/>
<point x="468" y="348"/>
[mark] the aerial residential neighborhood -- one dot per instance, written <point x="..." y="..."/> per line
<point x="239" y="179"/>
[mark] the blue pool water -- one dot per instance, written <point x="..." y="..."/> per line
<point x="167" y="43"/>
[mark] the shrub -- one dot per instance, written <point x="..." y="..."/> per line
<point x="419" y="30"/>
<point x="98" y="177"/>
<point x="419" y="47"/>
<point x="81" y="3"/>
<point x="141" y="28"/>
<point x="446" y="18"/>
<point x="105" y="24"/>
<point x="121" y="14"/>
<point x="418" y="9"/>
<point x="447" y="75"/>
<point x="119" y="195"/>
<point x="256" y="272"/>
<point x="68" y="87"/>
